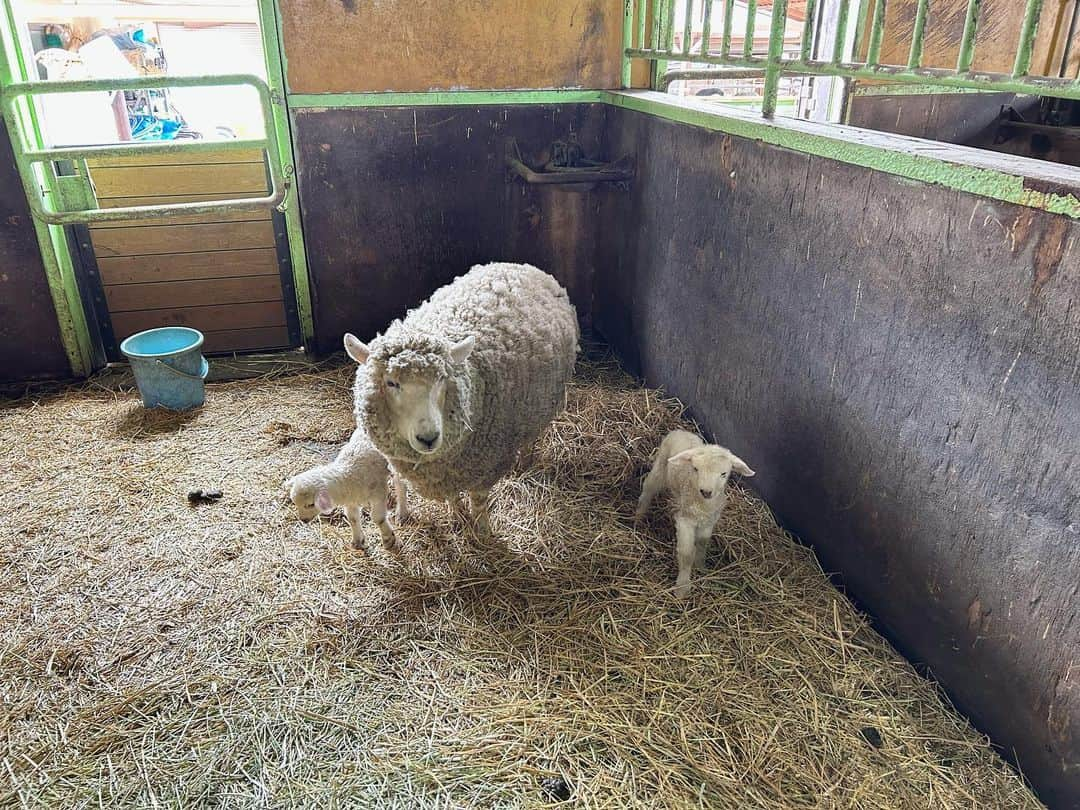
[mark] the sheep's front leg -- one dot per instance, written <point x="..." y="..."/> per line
<point x="481" y="511"/>
<point x="685" y="535"/>
<point x="354" y="516"/>
<point x="378" y="514"/>
<point x="702" y="539"/>
<point x="401" y="496"/>
<point x="654" y="482"/>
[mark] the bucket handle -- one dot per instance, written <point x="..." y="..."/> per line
<point x="201" y="376"/>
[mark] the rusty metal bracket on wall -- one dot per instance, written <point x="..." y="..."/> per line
<point x="569" y="168"/>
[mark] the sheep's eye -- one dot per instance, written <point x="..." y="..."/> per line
<point x="392" y="384"/>
<point x="311" y="505"/>
<point x="695" y="468"/>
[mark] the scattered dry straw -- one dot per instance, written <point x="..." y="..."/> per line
<point x="158" y="654"/>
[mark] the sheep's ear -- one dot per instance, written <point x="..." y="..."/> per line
<point x="679" y="458"/>
<point x="323" y="502"/>
<point x="356" y="348"/>
<point x="460" y="351"/>
<point x="741" y="467"/>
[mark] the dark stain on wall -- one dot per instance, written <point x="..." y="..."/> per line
<point x="901" y="365"/>
<point x="397" y="202"/>
<point x="30" y="346"/>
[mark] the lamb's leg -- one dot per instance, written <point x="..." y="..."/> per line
<point x="354" y="516"/>
<point x="702" y="540"/>
<point x="685" y="535"/>
<point x="378" y="515"/>
<point x="481" y="511"/>
<point x="401" y="495"/>
<point x="654" y="482"/>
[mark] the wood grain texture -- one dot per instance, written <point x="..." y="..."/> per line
<point x="209" y="264"/>
<point x="119" y="202"/>
<point x="337" y="46"/>
<point x="173" y="294"/>
<point x="192" y="158"/>
<point x="244" y="340"/>
<point x="155" y="181"/>
<point x="205" y="319"/>
<point x="998" y="30"/>
<point x="398" y="202"/>
<point x="30" y="344"/>
<point x="146" y="240"/>
<point x="899" y="363"/>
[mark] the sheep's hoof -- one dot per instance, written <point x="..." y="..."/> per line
<point x="682" y="591"/>
<point x="391" y="544"/>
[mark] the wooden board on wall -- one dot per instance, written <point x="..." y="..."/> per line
<point x="340" y="46"/>
<point x="998" y="34"/>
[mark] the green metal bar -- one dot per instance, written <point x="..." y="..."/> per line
<point x="657" y="24"/>
<point x="877" y="32"/>
<point x="776" y="52"/>
<point x="52" y="240"/>
<point x="41" y="210"/>
<point x="643" y="21"/>
<point x="706" y="26"/>
<point x="725" y="44"/>
<point x="891" y="154"/>
<point x="628" y="39"/>
<point x="860" y="26"/>
<point x="688" y="31"/>
<point x="1026" y="46"/>
<point x="273" y="51"/>
<point x="841" y="32"/>
<point x="808" y="31"/>
<point x="1000" y="82"/>
<point x="751" y="29"/>
<point x="918" y="32"/>
<point x="967" y="40"/>
<point x="669" y="25"/>
<point x="453" y="98"/>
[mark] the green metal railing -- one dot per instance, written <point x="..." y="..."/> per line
<point x="72" y="200"/>
<point x="653" y="41"/>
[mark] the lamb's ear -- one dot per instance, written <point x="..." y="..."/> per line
<point x="741" y="467"/>
<point x="684" y="456"/>
<point x="356" y="348"/>
<point x="460" y="351"/>
<point x="323" y="502"/>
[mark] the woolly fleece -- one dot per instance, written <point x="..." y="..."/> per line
<point x="499" y="399"/>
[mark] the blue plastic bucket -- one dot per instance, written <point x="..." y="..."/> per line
<point x="169" y="367"/>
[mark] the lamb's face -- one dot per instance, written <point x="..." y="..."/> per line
<point x="303" y="496"/>
<point x="710" y="468"/>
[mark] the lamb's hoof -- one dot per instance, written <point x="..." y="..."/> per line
<point x="358" y="546"/>
<point x="682" y="591"/>
<point x="392" y="545"/>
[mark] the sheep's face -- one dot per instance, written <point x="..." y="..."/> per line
<point x="411" y="389"/>
<point x="708" y="468"/>
<point x="309" y="498"/>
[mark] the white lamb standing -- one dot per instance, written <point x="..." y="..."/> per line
<point x="696" y="476"/>
<point x="453" y="392"/>
<point x="355" y="479"/>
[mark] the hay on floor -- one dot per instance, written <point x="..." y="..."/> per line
<point x="158" y="654"/>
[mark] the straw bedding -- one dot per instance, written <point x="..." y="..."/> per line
<point x="154" y="653"/>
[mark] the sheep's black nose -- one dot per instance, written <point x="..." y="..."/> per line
<point x="427" y="439"/>
<point x="706" y="493"/>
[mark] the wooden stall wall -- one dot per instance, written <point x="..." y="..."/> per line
<point x="399" y="201"/>
<point x="217" y="273"/>
<point x="30" y="343"/>
<point x="339" y="46"/>
<point x="899" y="363"/>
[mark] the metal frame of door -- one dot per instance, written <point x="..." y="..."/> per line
<point x="52" y="197"/>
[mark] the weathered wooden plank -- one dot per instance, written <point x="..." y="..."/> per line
<point x="409" y="46"/>
<point x="137" y="181"/>
<point x="246" y="340"/>
<point x="205" y="319"/>
<point x="224" y="156"/>
<point x="174" y="294"/>
<point x="209" y="264"/>
<point x="152" y="239"/>
<point x="118" y="202"/>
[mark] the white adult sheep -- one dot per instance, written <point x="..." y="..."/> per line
<point x="696" y="476"/>
<point x="468" y="379"/>
<point x="355" y="479"/>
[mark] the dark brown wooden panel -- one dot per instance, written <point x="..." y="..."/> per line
<point x="205" y="319"/>
<point x="152" y="239"/>
<point x="244" y="340"/>
<point x="173" y="294"/>
<point x="139" y="181"/>
<point x="185" y="266"/>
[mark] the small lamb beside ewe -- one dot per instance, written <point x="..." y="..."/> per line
<point x="354" y="480"/>
<point x="696" y="476"/>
